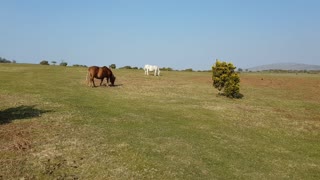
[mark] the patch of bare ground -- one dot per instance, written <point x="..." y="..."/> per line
<point x="18" y="122"/>
<point x="292" y="87"/>
<point x="16" y="137"/>
<point x="16" y="142"/>
<point x="46" y="146"/>
<point x="25" y="129"/>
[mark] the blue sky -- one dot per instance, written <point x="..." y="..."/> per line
<point x="170" y="33"/>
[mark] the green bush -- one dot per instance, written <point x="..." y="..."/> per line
<point x="112" y="66"/>
<point x="126" y="67"/>
<point x="44" y="62"/>
<point x="166" y="69"/>
<point x="4" y="60"/>
<point x="188" y="70"/>
<point x="63" y="64"/>
<point x="79" y="65"/>
<point x="226" y="79"/>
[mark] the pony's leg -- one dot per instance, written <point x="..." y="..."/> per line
<point x="107" y="81"/>
<point x="155" y="72"/>
<point x="92" y="80"/>
<point x="101" y="81"/>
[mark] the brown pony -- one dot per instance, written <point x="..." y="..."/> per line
<point x="100" y="73"/>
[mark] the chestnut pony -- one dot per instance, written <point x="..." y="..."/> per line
<point x="100" y="73"/>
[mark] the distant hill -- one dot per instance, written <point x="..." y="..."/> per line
<point x="285" y="66"/>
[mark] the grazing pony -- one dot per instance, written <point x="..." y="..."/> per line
<point x="148" y="68"/>
<point x="100" y="73"/>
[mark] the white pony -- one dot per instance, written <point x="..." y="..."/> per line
<point x="148" y="68"/>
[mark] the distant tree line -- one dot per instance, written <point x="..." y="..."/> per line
<point x="166" y="69"/>
<point x="284" y="71"/>
<point x="188" y="70"/>
<point x="290" y="71"/>
<point x="45" y="62"/>
<point x="128" y="67"/>
<point x="113" y="66"/>
<point x="4" y="60"/>
<point x="79" y="65"/>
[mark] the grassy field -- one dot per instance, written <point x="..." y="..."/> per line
<point x="53" y="126"/>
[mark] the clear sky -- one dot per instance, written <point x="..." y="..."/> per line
<point x="170" y="33"/>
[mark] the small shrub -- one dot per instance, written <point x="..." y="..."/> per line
<point x="63" y="64"/>
<point x="112" y="66"/>
<point x="126" y="67"/>
<point x="4" y="60"/>
<point x="226" y="79"/>
<point x="188" y="70"/>
<point x="166" y="69"/>
<point x="44" y="62"/>
<point x="79" y="65"/>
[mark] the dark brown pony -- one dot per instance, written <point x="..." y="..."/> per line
<point x="100" y="73"/>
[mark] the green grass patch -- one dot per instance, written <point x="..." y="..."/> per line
<point x="53" y="126"/>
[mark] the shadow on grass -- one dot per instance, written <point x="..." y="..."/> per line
<point x="20" y="112"/>
<point x="116" y="85"/>
<point x="104" y="85"/>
